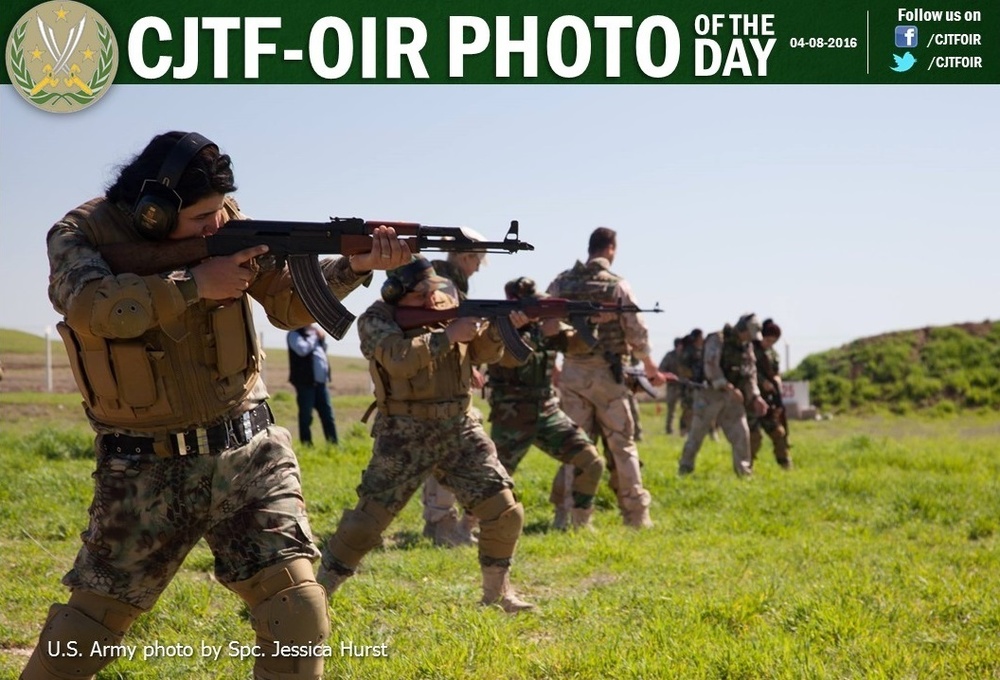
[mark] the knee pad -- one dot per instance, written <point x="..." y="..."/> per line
<point x="287" y="605"/>
<point x="72" y="630"/>
<point x="589" y="470"/>
<point x="359" y="531"/>
<point x="501" y="519"/>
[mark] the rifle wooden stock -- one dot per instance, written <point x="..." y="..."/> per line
<point x="150" y="258"/>
<point x="300" y="244"/>
<point x="498" y="312"/>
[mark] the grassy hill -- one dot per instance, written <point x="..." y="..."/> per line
<point x="19" y="342"/>
<point x="945" y="368"/>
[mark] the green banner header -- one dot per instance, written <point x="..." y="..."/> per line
<point x="515" y="42"/>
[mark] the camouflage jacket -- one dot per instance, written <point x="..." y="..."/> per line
<point x="768" y="367"/>
<point x="179" y="361"/>
<point x="691" y="364"/>
<point x="530" y="381"/>
<point x="420" y="365"/>
<point x="594" y="281"/>
<point x="671" y="362"/>
<point x="727" y="361"/>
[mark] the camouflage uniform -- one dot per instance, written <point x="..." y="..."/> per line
<point x="425" y="426"/>
<point x="690" y="368"/>
<point x="726" y="362"/>
<point x="524" y="410"/>
<point x="591" y="395"/>
<point x="769" y="382"/>
<point x="441" y="521"/>
<point x="671" y="364"/>
<point x="186" y="447"/>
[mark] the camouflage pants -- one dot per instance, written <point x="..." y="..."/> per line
<point x="714" y="406"/>
<point x="599" y="405"/>
<point x="516" y="425"/>
<point x="687" y="410"/>
<point x="456" y="451"/>
<point x="776" y="432"/>
<point x="148" y="512"/>
<point x="673" y="397"/>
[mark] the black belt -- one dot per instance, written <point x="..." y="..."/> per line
<point x="223" y="436"/>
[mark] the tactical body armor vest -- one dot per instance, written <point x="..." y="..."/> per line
<point x="594" y="282"/>
<point x="737" y="361"/>
<point x="442" y="387"/>
<point x="531" y="381"/>
<point x="189" y="372"/>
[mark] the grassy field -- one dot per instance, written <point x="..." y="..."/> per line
<point x="875" y="558"/>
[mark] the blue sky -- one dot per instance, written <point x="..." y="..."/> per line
<point x="840" y="211"/>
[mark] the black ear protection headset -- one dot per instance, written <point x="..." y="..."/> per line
<point x="156" y="208"/>
<point x="404" y="279"/>
<point x="520" y="288"/>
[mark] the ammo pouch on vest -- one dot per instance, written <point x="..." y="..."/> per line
<point x="155" y="382"/>
<point x="112" y="377"/>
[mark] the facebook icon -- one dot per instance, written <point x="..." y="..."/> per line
<point x="906" y="36"/>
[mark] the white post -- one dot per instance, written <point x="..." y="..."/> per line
<point x="48" y="358"/>
<point x="788" y="358"/>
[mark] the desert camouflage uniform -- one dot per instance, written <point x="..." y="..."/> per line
<point x="726" y="362"/>
<point x="592" y="397"/>
<point x="524" y="410"/>
<point x="671" y="364"/>
<point x="177" y="364"/>
<point x="691" y="367"/>
<point x="768" y="381"/>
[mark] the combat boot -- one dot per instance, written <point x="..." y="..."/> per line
<point x="497" y="590"/>
<point x="637" y="518"/>
<point x="635" y="508"/>
<point x="560" y="522"/>
<point x="448" y="532"/>
<point x="581" y="518"/>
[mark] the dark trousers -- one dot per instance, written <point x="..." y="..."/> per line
<point x="315" y="396"/>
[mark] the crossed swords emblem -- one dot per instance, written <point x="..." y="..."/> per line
<point x="62" y="57"/>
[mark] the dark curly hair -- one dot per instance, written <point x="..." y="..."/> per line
<point x="519" y="288"/>
<point x="770" y="329"/>
<point x="209" y="172"/>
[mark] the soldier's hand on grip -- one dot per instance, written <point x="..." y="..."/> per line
<point x="463" y="329"/>
<point x="226" y="277"/>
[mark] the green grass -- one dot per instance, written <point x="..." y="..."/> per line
<point x="20" y="342"/>
<point x="875" y="558"/>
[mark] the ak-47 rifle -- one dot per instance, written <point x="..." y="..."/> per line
<point x="300" y="244"/>
<point x="577" y="312"/>
<point x="637" y="372"/>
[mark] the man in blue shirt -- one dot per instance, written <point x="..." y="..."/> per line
<point x="309" y="371"/>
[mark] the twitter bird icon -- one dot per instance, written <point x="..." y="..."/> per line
<point x="903" y="63"/>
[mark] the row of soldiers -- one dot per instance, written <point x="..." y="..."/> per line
<point x="743" y="355"/>
<point x="431" y="432"/>
<point x="167" y="361"/>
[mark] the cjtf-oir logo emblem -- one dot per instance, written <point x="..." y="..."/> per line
<point x="62" y="56"/>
